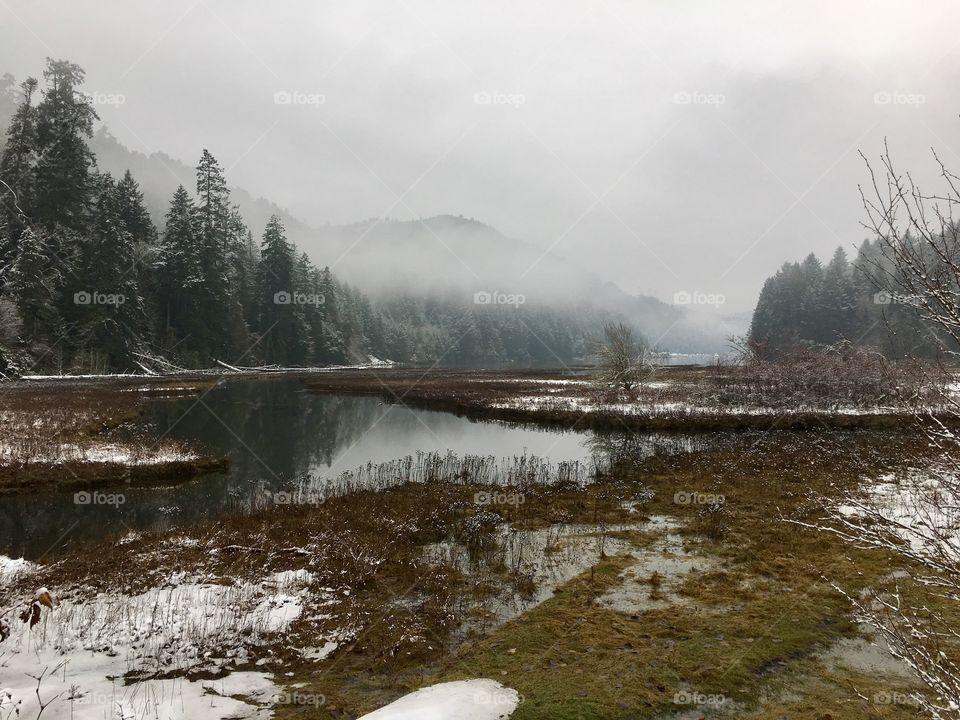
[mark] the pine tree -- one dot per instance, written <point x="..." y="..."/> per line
<point x="34" y="284"/>
<point x="134" y="214"/>
<point x="838" y="300"/>
<point x="810" y="306"/>
<point x="17" y="172"/>
<point x="282" y="329"/>
<point x="220" y="310"/>
<point x="64" y="192"/>
<point x="180" y="277"/>
<point x="108" y="306"/>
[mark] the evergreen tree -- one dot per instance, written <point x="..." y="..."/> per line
<point x="282" y="329"/>
<point x="180" y="277"/>
<point x="34" y="284"/>
<point x="17" y="172"/>
<point x="220" y="310"/>
<point x="64" y="168"/>
<point x="838" y="300"/>
<point x="810" y="303"/>
<point x="107" y="304"/>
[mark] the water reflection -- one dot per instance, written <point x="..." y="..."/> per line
<point x="273" y="433"/>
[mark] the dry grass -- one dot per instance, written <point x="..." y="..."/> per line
<point x="78" y="434"/>
<point x="677" y="398"/>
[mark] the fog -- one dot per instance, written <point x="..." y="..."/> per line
<point x="669" y="148"/>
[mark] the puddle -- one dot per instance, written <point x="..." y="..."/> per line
<point x="543" y="559"/>
<point x="654" y="581"/>
<point x="867" y="657"/>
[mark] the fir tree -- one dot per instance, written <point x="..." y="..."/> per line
<point x="64" y="193"/>
<point x="17" y="172"/>
<point x="34" y="284"/>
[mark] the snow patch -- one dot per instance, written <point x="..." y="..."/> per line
<point x="458" y="700"/>
<point x="101" y="657"/>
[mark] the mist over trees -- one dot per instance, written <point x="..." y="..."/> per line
<point x="810" y="303"/>
<point x="89" y="283"/>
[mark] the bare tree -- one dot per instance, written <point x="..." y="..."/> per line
<point x="622" y="363"/>
<point x="917" y="517"/>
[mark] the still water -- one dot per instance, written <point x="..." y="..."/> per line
<point x="273" y="433"/>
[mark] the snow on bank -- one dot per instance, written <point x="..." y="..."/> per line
<point x="118" y="655"/>
<point x="96" y="452"/>
<point x="647" y="408"/>
<point x="372" y="362"/>
<point x="13" y="568"/>
<point x="458" y="700"/>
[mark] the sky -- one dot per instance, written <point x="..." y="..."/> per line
<point x="670" y="147"/>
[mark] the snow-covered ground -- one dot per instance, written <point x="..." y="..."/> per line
<point x="97" y="452"/>
<point x="652" y="408"/>
<point x="458" y="700"/>
<point x="119" y="655"/>
<point x="372" y="362"/>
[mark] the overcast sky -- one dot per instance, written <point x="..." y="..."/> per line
<point x="668" y="146"/>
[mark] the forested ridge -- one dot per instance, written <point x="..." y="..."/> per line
<point x="861" y="301"/>
<point x="89" y="283"/>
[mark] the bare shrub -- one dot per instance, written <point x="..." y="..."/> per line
<point x="622" y="363"/>
<point x="842" y="375"/>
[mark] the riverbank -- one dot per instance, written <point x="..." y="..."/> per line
<point x="661" y="582"/>
<point x="666" y="586"/>
<point x="81" y="433"/>
<point x="685" y="399"/>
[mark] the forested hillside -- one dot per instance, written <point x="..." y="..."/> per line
<point x="809" y="303"/>
<point x="90" y="283"/>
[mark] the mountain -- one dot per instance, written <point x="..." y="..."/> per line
<point x="446" y="255"/>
